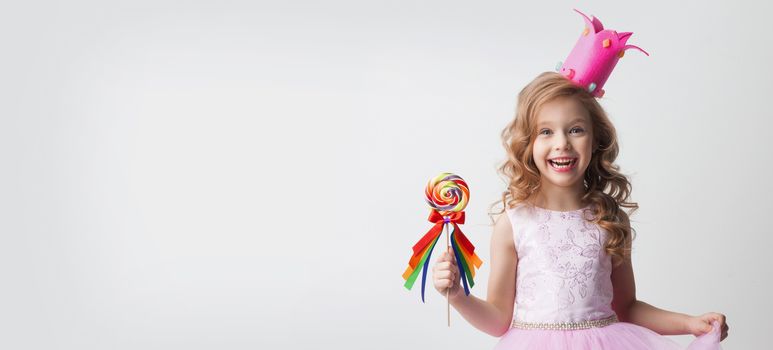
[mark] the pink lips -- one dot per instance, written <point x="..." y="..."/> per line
<point x="564" y="169"/>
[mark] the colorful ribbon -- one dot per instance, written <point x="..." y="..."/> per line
<point x="466" y="259"/>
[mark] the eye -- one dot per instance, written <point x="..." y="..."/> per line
<point x="577" y="130"/>
<point x="544" y="132"/>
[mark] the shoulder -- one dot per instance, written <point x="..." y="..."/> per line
<point x="502" y="225"/>
<point x="503" y="230"/>
<point x="504" y="255"/>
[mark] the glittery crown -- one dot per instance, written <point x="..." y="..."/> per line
<point x="595" y="55"/>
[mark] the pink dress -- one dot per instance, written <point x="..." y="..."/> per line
<point x="564" y="291"/>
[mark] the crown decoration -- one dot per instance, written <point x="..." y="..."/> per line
<point x="595" y="55"/>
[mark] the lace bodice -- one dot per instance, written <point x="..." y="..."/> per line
<point x="563" y="272"/>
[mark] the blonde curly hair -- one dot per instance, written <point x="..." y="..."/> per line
<point x="606" y="189"/>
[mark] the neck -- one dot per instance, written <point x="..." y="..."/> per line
<point x="559" y="198"/>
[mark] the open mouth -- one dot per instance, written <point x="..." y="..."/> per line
<point x="563" y="164"/>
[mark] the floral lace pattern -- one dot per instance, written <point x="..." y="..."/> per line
<point x="563" y="273"/>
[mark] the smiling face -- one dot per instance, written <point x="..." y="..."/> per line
<point x="563" y="143"/>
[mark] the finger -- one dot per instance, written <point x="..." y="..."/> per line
<point x="718" y="317"/>
<point x="710" y="318"/>
<point x="450" y="252"/>
<point x="443" y="256"/>
<point x="445" y="274"/>
<point x="439" y="267"/>
<point x="449" y="256"/>
<point x="450" y="266"/>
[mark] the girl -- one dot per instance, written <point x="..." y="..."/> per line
<point x="562" y="251"/>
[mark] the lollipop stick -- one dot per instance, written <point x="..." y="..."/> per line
<point x="448" y="291"/>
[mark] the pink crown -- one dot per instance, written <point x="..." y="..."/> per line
<point x="595" y="55"/>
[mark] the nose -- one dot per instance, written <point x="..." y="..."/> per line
<point x="562" y="143"/>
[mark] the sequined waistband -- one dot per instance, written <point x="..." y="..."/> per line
<point x="566" y="326"/>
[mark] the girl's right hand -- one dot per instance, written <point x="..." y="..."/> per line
<point x="445" y="274"/>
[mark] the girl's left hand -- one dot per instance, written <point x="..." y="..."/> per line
<point x="699" y="325"/>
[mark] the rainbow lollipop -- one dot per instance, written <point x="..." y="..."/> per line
<point x="447" y="195"/>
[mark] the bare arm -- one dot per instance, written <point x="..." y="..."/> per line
<point x="629" y="309"/>
<point x="494" y="314"/>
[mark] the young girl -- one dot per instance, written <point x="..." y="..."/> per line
<point x="562" y="251"/>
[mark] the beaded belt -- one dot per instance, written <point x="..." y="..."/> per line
<point x="566" y="326"/>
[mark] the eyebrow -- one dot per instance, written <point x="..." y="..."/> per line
<point x="575" y="120"/>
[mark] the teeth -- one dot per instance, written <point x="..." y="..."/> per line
<point x="563" y="163"/>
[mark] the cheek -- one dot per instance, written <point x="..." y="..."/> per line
<point x="585" y="145"/>
<point x="538" y="151"/>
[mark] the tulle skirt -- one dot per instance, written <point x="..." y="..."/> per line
<point x="617" y="336"/>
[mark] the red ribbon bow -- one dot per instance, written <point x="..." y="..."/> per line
<point x="439" y="220"/>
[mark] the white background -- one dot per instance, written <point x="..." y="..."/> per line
<point x="242" y="175"/>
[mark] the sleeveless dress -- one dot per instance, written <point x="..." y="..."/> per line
<point x="564" y="289"/>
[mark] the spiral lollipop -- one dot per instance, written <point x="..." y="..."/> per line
<point x="447" y="195"/>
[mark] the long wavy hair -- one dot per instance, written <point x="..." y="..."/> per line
<point x="607" y="190"/>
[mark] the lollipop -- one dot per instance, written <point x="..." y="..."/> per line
<point x="447" y="195"/>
